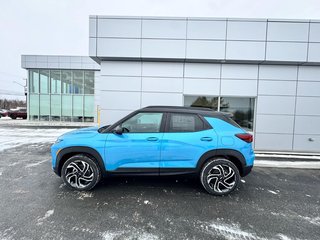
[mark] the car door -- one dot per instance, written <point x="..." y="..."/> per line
<point x="187" y="137"/>
<point x="137" y="149"/>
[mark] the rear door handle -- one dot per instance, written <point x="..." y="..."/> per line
<point x="152" y="139"/>
<point x="208" y="139"/>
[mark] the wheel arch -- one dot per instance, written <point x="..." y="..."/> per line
<point x="68" y="152"/>
<point x="234" y="156"/>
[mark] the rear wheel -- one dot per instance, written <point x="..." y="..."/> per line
<point x="81" y="172"/>
<point x="219" y="176"/>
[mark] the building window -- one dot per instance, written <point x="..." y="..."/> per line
<point x="61" y="95"/>
<point x="44" y="81"/>
<point x="201" y="101"/>
<point x="241" y="108"/>
<point x="34" y="81"/>
<point x="88" y="82"/>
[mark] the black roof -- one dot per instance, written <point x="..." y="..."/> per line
<point x="197" y="110"/>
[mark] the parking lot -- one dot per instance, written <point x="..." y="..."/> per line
<point x="34" y="203"/>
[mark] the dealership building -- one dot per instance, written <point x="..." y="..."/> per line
<point x="266" y="72"/>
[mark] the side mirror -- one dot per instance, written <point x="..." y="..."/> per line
<point x="118" y="130"/>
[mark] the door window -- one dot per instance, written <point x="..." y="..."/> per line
<point x="143" y="123"/>
<point x="185" y="123"/>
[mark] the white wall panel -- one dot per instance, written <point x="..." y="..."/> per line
<point x="275" y="105"/>
<point x="92" y="27"/>
<point x="302" y="143"/>
<point x="286" y="51"/>
<point x="204" y="86"/>
<point x="121" y="68"/>
<point x="157" y="84"/>
<point x="288" y="31"/>
<point x="239" y="71"/>
<point x="314" y="32"/>
<point x="245" y="50"/>
<point x="170" y="99"/>
<point x="314" y="52"/>
<point x="118" y="47"/>
<point x="197" y="49"/>
<point x="162" y="69"/>
<point x="309" y="73"/>
<point x="274" y="124"/>
<point x="308" y="106"/>
<point x="128" y="28"/>
<point x="245" y="30"/>
<point x="163" y="48"/>
<point x="206" y="29"/>
<point x="117" y="83"/>
<point x="277" y="88"/>
<point x="307" y="125"/>
<point x="160" y="28"/>
<point x="202" y="70"/>
<point x="238" y="87"/>
<point x="119" y="100"/>
<point x="279" y="142"/>
<point x="309" y="89"/>
<point x="278" y="72"/>
<point x="111" y="116"/>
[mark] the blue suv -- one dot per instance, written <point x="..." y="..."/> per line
<point x="158" y="140"/>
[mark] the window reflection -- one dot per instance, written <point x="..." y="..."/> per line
<point x="61" y="95"/>
<point x="201" y="101"/>
<point x="66" y="81"/>
<point x="241" y="108"/>
<point x="78" y="82"/>
<point x="44" y="81"/>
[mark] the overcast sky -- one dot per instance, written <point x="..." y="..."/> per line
<point x="61" y="26"/>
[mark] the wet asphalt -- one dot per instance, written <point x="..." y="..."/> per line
<point x="270" y="204"/>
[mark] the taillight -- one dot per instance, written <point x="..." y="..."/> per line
<point x="247" y="137"/>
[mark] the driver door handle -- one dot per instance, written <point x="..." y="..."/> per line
<point x="208" y="139"/>
<point x="152" y="139"/>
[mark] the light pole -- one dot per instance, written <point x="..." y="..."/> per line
<point x="25" y="88"/>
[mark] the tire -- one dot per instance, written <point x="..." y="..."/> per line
<point x="224" y="177"/>
<point x="81" y="172"/>
<point x="13" y="117"/>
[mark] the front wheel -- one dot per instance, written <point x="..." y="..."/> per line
<point x="81" y="172"/>
<point x="219" y="176"/>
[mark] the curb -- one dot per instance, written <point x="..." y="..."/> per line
<point x="287" y="164"/>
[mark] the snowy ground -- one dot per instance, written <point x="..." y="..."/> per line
<point x="272" y="203"/>
<point x="15" y="137"/>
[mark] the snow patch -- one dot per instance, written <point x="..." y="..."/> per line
<point x="133" y="234"/>
<point x="47" y="215"/>
<point x="234" y="232"/>
<point x="273" y="192"/>
<point x="15" y="137"/>
<point x="283" y="237"/>
<point x="30" y="165"/>
<point x="83" y="195"/>
<point x="231" y="232"/>
<point x="147" y="202"/>
<point x="312" y="220"/>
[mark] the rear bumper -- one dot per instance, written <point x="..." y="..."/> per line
<point x="246" y="170"/>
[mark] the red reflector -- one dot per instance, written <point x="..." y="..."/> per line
<point x="245" y="137"/>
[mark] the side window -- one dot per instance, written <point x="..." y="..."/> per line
<point x="185" y="123"/>
<point x="143" y="123"/>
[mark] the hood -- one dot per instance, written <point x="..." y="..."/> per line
<point x="82" y="132"/>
